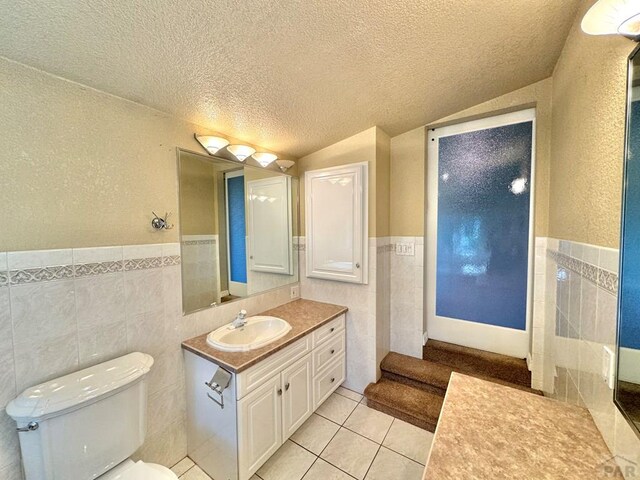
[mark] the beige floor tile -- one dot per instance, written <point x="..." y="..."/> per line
<point x="388" y="464"/>
<point x="182" y="466"/>
<point x="315" y="433"/>
<point x="369" y="423"/>
<point x="409" y="440"/>
<point x="322" y="470"/>
<point x="337" y="408"/>
<point x="195" y="473"/>
<point x="290" y="462"/>
<point x="350" y="452"/>
<point x="345" y="392"/>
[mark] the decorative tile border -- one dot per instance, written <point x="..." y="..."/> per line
<point x="599" y="276"/>
<point x="390" y="247"/>
<point x="61" y="272"/>
<point x="210" y="241"/>
<point x="86" y="269"/>
<point x="32" y="275"/>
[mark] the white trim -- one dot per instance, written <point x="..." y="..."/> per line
<point x="491" y="338"/>
<point x="425" y="338"/>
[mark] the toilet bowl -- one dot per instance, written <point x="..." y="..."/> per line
<point x="87" y="424"/>
<point x="129" y="470"/>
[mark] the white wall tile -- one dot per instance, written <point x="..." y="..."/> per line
<point x="130" y="252"/>
<point x="39" y="258"/>
<point x="96" y="255"/>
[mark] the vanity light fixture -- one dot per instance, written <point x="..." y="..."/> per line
<point x="285" y="164"/>
<point x="241" y="152"/>
<point x="210" y="143"/>
<point x="607" y="17"/>
<point x="264" y="158"/>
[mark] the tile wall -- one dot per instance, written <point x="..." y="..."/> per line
<point x="407" y="297"/>
<point x="61" y="310"/>
<point x="368" y="316"/>
<point x="581" y="284"/>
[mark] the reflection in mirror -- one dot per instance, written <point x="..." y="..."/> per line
<point x="237" y="224"/>
<point x="627" y="393"/>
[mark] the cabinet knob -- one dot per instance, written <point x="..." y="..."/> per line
<point x="357" y="265"/>
<point x="332" y="329"/>
<point x="286" y="387"/>
<point x="332" y="351"/>
<point x="333" y="379"/>
<point x="279" y="391"/>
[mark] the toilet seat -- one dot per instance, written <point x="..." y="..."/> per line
<point x="129" y="470"/>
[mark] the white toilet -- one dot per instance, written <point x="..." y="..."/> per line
<point x="85" y="425"/>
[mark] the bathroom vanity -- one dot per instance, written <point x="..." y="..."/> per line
<point x="271" y="392"/>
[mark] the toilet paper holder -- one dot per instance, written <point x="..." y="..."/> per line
<point x="218" y="383"/>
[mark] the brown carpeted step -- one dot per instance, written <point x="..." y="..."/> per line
<point x="478" y="362"/>
<point x="430" y="376"/>
<point x="413" y="405"/>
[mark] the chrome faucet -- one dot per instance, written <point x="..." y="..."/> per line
<point x="241" y="320"/>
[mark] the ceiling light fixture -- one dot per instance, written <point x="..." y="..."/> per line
<point x="264" y="158"/>
<point x="241" y="152"/>
<point x="608" y="17"/>
<point x="285" y="164"/>
<point x="210" y="143"/>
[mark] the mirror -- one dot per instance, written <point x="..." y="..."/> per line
<point x="627" y="392"/>
<point x="237" y="225"/>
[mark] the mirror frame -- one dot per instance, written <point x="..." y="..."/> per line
<point x="295" y="210"/>
<point x="629" y="87"/>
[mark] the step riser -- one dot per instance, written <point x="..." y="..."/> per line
<point x="430" y="426"/>
<point x="413" y="383"/>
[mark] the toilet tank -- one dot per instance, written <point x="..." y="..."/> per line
<point x="85" y="423"/>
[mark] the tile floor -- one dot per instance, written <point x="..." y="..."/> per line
<point x="343" y="440"/>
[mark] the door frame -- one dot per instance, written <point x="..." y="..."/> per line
<point x="507" y="341"/>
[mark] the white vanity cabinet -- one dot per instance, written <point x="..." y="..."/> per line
<point x="263" y="405"/>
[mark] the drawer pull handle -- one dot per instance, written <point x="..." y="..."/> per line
<point x="279" y="391"/>
<point x="286" y="387"/>
<point x="332" y="351"/>
<point x="333" y="379"/>
<point x="332" y="329"/>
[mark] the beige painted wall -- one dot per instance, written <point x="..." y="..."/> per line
<point x="198" y="196"/>
<point x="372" y="146"/>
<point x="82" y="168"/>
<point x="408" y="158"/>
<point x="587" y="142"/>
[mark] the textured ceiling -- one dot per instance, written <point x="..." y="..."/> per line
<point x="293" y="75"/>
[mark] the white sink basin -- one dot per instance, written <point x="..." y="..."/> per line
<point x="258" y="332"/>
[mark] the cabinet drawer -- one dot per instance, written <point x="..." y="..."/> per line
<point x="325" y="331"/>
<point x="255" y="376"/>
<point x="328" y="351"/>
<point x="328" y="381"/>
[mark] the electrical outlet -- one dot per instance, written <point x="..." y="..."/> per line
<point x="407" y="249"/>
<point x="295" y="291"/>
<point x="608" y="366"/>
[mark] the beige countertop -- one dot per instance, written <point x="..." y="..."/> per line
<point x="304" y="316"/>
<point x="489" y="431"/>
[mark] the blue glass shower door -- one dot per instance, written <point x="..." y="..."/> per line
<point x="480" y="233"/>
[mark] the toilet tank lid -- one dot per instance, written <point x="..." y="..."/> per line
<point x="56" y="396"/>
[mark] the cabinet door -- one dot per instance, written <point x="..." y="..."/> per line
<point x="259" y="426"/>
<point x="269" y="235"/>
<point x="336" y="223"/>
<point x="297" y="403"/>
